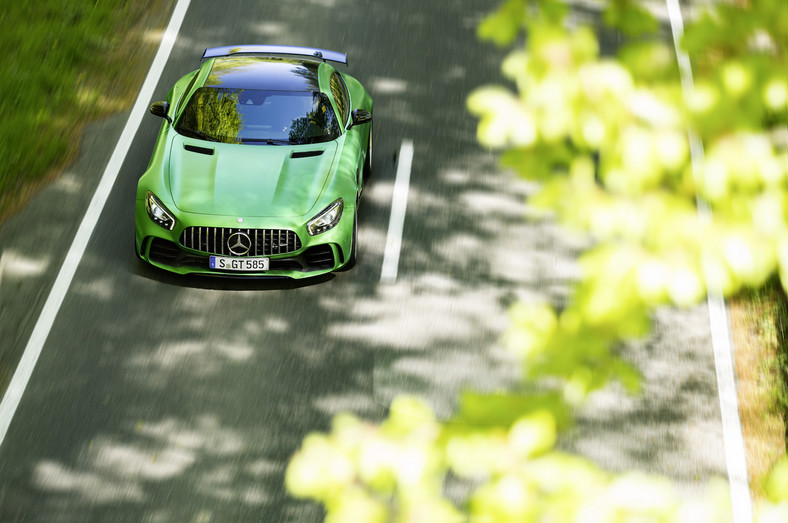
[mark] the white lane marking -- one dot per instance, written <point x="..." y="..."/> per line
<point x="399" y="203"/>
<point x="741" y="500"/>
<point x="47" y="318"/>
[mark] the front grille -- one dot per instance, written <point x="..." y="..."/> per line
<point x="216" y="240"/>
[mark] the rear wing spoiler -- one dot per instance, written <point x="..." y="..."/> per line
<point x="289" y="50"/>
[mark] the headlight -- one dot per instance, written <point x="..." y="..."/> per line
<point x="158" y="213"/>
<point x="327" y="218"/>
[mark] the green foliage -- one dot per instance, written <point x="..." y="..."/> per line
<point x="396" y="471"/>
<point x="606" y="137"/>
<point x="48" y="80"/>
<point x="777" y="485"/>
<point x="502" y="410"/>
<point x="503" y="25"/>
<point x="630" y="17"/>
<point x="769" y="307"/>
<point x="358" y="468"/>
<point x="214" y="113"/>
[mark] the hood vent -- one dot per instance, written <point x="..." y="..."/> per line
<point x="196" y="149"/>
<point x="305" y="154"/>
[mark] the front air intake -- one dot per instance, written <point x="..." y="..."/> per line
<point x="305" y="154"/>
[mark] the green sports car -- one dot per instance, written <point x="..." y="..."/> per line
<point x="258" y="166"/>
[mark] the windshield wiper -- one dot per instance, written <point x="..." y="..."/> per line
<point x="269" y="141"/>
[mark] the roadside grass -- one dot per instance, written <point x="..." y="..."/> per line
<point x="65" y="64"/>
<point x="759" y="320"/>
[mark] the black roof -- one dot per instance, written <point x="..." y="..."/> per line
<point x="264" y="73"/>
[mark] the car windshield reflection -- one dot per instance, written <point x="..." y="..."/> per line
<point x="258" y="117"/>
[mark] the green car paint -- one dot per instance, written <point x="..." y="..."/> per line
<point x="217" y="182"/>
<point x="285" y="187"/>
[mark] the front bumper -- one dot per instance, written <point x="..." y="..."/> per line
<point x="314" y="256"/>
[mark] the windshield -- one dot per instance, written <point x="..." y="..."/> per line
<point x="259" y="117"/>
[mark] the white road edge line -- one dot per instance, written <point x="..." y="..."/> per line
<point x="741" y="501"/>
<point x="63" y="281"/>
<point x="399" y="203"/>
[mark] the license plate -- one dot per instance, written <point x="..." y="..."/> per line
<point x="239" y="264"/>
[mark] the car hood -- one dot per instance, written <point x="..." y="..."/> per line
<point x="247" y="180"/>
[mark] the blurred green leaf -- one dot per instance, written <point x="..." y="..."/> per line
<point x="479" y="411"/>
<point x="777" y="483"/>
<point x="650" y="61"/>
<point x="502" y="25"/>
<point x="630" y="17"/>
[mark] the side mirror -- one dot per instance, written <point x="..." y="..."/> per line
<point x="160" y="109"/>
<point x="360" y="116"/>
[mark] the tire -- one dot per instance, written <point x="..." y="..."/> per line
<point x="354" y="249"/>
<point x="368" y="160"/>
<point x="136" y="252"/>
<point x="351" y="261"/>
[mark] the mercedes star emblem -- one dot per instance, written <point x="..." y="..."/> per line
<point x="239" y="243"/>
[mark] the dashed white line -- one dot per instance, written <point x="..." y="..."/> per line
<point x="399" y="203"/>
<point x="63" y="281"/>
<point x="741" y="501"/>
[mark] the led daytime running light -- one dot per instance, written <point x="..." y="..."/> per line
<point x="327" y="219"/>
<point x="158" y="213"/>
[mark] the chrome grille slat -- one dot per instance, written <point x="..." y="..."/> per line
<point x="265" y="242"/>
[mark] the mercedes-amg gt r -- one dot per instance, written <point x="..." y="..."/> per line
<point x="258" y="166"/>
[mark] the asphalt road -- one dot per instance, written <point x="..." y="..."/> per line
<point x="159" y="398"/>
